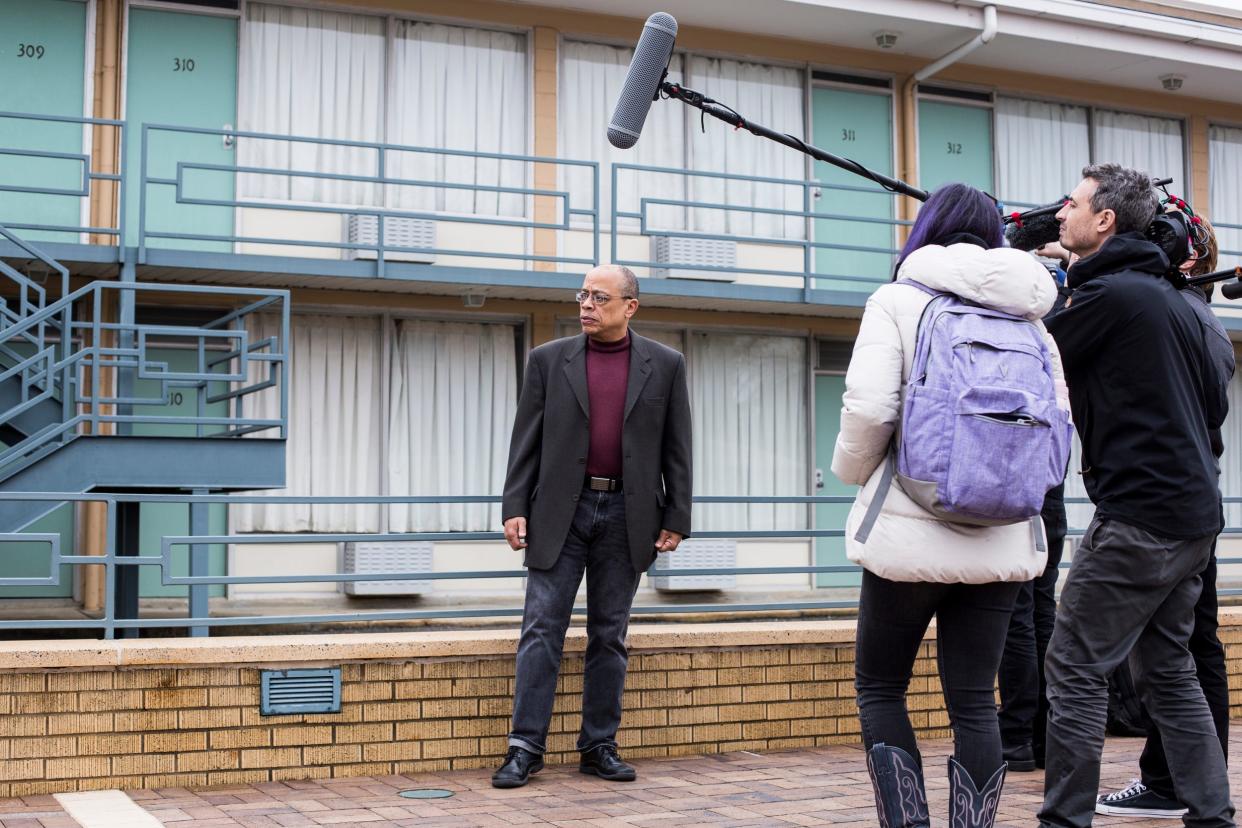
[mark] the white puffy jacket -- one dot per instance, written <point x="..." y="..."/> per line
<point x="907" y="543"/>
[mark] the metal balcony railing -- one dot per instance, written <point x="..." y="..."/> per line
<point x="172" y="548"/>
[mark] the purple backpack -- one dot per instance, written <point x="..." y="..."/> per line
<point x="981" y="439"/>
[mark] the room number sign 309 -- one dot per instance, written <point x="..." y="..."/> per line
<point x="34" y="51"/>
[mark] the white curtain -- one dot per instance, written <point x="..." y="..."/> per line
<point x="335" y="417"/>
<point x="770" y="95"/>
<point x="748" y="395"/>
<point x="1225" y="171"/>
<point x="314" y="74"/>
<point x="1041" y="148"/>
<point x="452" y="404"/>
<point x="590" y="80"/>
<point x="1142" y="142"/>
<point x="461" y="89"/>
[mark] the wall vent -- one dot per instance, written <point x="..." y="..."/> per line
<point x="300" y="691"/>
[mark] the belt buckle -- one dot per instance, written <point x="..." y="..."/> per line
<point x="600" y="484"/>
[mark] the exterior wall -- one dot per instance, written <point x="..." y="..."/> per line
<point x="85" y="715"/>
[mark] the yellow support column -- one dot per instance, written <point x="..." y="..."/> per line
<point x="1200" y="174"/>
<point x="547" y="209"/>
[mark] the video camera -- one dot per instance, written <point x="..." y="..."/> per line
<point x="1176" y="230"/>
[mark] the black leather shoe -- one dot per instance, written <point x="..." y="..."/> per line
<point x="604" y="762"/>
<point x="1020" y="758"/>
<point x="519" y="764"/>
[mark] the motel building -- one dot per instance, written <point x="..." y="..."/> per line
<point x="301" y="249"/>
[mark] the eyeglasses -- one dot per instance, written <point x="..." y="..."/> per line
<point x="598" y="299"/>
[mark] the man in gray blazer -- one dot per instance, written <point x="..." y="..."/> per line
<point x="598" y="481"/>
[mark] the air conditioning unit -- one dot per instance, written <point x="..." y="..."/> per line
<point x="695" y="553"/>
<point x="362" y="557"/>
<point x="398" y="232"/>
<point x="691" y="251"/>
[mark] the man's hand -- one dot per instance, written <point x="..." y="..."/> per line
<point x="667" y="541"/>
<point x="515" y="532"/>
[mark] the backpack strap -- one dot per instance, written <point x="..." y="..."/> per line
<point x="877" y="501"/>
<point x="917" y="284"/>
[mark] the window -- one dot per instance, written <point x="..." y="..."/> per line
<point x="1225" y="171"/>
<point x="451" y="391"/>
<point x="323" y="74"/>
<point x="591" y="78"/>
<point x="748" y="397"/>
<point x="1042" y="147"/>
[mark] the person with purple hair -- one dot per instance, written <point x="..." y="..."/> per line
<point x="915" y="565"/>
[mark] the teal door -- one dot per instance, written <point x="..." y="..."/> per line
<point x="42" y="71"/>
<point x="182" y="71"/>
<point x="156" y="520"/>
<point x="955" y="144"/>
<point x="859" y="126"/>
<point x="830" y="551"/>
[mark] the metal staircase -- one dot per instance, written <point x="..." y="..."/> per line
<point x="71" y="421"/>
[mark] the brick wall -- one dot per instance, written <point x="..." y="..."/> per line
<point x="135" y="714"/>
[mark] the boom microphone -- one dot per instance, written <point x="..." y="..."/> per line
<point x="1033" y="232"/>
<point x="642" y="84"/>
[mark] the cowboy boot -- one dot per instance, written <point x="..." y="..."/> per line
<point x="898" y="781"/>
<point x="970" y="806"/>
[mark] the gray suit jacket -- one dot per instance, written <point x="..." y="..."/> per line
<point x="548" y="452"/>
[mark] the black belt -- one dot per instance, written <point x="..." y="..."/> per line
<point x="603" y="484"/>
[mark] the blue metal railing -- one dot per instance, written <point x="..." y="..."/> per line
<point x="385" y="187"/>
<point x="68" y="338"/>
<point x="809" y="237"/>
<point x="79" y="196"/>
<point x="165" y="558"/>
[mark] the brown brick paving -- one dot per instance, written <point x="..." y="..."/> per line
<point x="812" y="786"/>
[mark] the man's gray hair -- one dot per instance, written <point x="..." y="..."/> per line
<point x="1128" y="193"/>
<point x="630" y="280"/>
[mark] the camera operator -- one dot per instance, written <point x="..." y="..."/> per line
<point x="1153" y="795"/>
<point x="1144" y="392"/>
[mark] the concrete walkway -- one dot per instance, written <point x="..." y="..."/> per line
<point x="819" y="786"/>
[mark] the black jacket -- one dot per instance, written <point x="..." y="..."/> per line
<point x="547" y="455"/>
<point x="1145" y="391"/>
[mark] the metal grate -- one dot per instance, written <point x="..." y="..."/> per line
<point x="691" y="251"/>
<point x="833" y="355"/>
<point x="696" y="553"/>
<point x="300" y="691"/>
<point x="361" y="557"/>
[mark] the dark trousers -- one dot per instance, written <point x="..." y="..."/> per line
<point x="1209" y="656"/>
<point x="971" y="620"/>
<point x="597" y="545"/>
<point x="1130" y="592"/>
<point x="1023" y="713"/>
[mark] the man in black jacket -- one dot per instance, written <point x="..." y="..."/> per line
<point x="1153" y="795"/>
<point x="1145" y="393"/>
<point x="599" y="482"/>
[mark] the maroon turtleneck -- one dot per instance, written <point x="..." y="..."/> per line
<point x="608" y="374"/>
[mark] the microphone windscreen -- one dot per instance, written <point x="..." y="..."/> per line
<point x="1232" y="290"/>
<point x="651" y="57"/>
<point x="1033" y="232"/>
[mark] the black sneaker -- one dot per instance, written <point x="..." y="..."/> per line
<point x="1138" y="800"/>
<point x="1020" y="758"/>
<point x="604" y="762"/>
<point x="519" y="764"/>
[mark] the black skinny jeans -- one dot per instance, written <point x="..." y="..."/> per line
<point x="971" y="621"/>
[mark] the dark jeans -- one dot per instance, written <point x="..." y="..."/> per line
<point x="970" y="633"/>
<point x="1130" y="592"/>
<point x="1209" y="656"/>
<point x="1023" y="710"/>
<point x="597" y="544"/>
